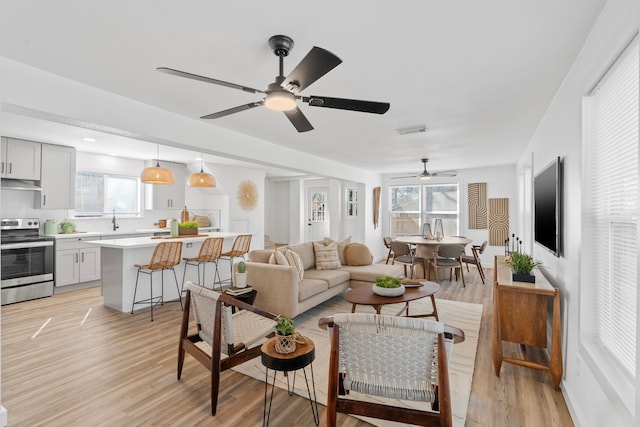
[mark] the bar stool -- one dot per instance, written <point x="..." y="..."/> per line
<point x="210" y="251"/>
<point x="240" y="247"/>
<point x="166" y="255"/>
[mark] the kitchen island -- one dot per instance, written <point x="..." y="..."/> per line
<point x="118" y="257"/>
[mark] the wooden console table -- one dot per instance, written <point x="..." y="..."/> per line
<point x="520" y="316"/>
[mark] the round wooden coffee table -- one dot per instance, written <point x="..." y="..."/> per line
<point x="363" y="295"/>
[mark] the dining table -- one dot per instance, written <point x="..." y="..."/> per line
<point x="425" y="247"/>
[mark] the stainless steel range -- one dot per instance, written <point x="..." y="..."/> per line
<point x="27" y="260"/>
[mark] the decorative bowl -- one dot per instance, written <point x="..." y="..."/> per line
<point x="388" y="292"/>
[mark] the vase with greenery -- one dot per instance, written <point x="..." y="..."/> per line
<point x="521" y="265"/>
<point x="388" y="286"/>
<point x="285" y="335"/>
<point x="188" y="228"/>
<point x="241" y="275"/>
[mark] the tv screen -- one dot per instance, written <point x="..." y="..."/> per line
<point x="547" y="190"/>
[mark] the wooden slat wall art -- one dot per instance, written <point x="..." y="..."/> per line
<point x="498" y="221"/>
<point x="376" y="206"/>
<point x="477" y="199"/>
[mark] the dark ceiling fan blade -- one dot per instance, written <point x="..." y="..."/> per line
<point x="405" y="177"/>
<point x="233" y="110"/>
<point x="207" y="79"/>
<point x="298" y="120"/>
<point x="347" y="104"/>
<point x="314" y="65"/>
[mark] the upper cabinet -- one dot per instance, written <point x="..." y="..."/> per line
<point x="166" y="196"/>
<point x="20" y="159"/>
<point x="58" y="178"/>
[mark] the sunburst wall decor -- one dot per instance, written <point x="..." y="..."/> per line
<point x="247" y="195"/>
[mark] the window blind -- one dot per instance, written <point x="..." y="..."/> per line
<point x="611" y="208"/>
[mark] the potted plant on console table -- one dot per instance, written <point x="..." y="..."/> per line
<point x="521" y="266"/>
<point x="188" y="228"/>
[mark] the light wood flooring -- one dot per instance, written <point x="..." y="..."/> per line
<point x="69" y="361"/>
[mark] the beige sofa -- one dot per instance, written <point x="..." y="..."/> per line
<point x="281" y="291"/>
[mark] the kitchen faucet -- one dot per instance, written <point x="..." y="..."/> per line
<point x="114" y="222"/>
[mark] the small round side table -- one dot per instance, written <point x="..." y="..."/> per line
<point x="299" y="359"/>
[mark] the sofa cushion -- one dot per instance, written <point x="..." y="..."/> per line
<point x="278" y="258"/>
<point x="326" y="256"/>
<point x="342" y="244"/>
<point x="294" y="260"/>
<point x="332" y="277"/>
<point x="305" y="250"/>
<point x="368" y="273"/>
<point x="357" y="254"/>
<point x="310" y="287"/>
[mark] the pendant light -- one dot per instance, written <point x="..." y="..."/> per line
<point x="156" y="174"/>
<point x="201" y="179"/>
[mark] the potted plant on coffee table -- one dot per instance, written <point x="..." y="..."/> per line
<point x="285" y="335"/>
<point x="388" y="286"/>
<point x="188" y="228"/>
<point x="521" y="266"/>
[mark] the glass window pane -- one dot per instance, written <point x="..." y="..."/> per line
<point x="99" y="194"/>
<point x="122" y="194"/>
<point x="405" y="199"/>
<point x="441" y="198"/>
<point x="404" y="224"/>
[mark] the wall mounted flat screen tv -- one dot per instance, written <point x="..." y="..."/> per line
<point x="547" y="193"/>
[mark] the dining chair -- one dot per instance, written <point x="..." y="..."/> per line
<point x="210" y="252"/>
<point x="474" y="258"/>
<point x="166" y="255"/>
<point x="359" y="362"/>
<point x="448" y="256"/>
<point x="387" y="243"/>
<point x="240" y="247"/>
<point x="221" y="331"/>
<point x="403" y="254"/>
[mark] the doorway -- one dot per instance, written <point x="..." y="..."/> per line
<point x="317" y="213"/>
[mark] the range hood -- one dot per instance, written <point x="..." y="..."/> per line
<point x="18" y="184"/>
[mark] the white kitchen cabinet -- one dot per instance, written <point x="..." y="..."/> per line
<point x="58" y="178"/>
<point x="20" y="159"/>
<point x="167" y="196"/>
<point x="76" y="261"/>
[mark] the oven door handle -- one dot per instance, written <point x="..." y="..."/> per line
<point x="26" y="245"/>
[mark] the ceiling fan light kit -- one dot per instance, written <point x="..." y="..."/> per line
<point x="425" y="175"/>
<point x="157" y="174"/>
<point x="282" y="94"/>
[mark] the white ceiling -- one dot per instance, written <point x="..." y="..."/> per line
<point x="478" y="74"/>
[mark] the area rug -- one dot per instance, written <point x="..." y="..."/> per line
<point x="465" y="316"/>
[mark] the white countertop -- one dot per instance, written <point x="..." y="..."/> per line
<point x="113" y="233"/>
<point x="140" y="242"/>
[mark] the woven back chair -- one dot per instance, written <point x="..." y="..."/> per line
<point x="392" y="357"/>
<point x="448" y="256"/>
<point x="166" y="255"/>
<point x="474" y="258"/>
<point x="240" y="247"/>
<point x="220" y="330"/>
<point x="210" y="252"/>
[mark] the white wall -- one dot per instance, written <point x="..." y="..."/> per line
<point x="560" y="134"/>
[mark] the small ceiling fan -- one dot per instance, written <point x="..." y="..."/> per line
<point x="282" y="94"/>
<point x="426" y="175"/>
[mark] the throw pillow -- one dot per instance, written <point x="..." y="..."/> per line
<point x="278" y="258"/>
<point x="326" y="256"/>
<point x="358" y="254"/>
<point x="294" y="260"/>
<point x="342" y="244"/>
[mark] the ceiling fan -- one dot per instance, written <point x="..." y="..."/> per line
<point x="426" y="175"/>
<point x="283" y="92"/>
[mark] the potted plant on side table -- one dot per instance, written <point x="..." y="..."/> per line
<point x="241" y="275"/>
<point x="285" y="335"/>
<point x="521" y="266"/>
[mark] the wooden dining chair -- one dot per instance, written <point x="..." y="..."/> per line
<point x="403" y="254"/>
<point x="448" y="256"/>
<point x="418" y="371"/>
<point x="166" y="255"/>
<point x="474" y="258"/>
<point x="387" y="244"/>
<point x="220" y="331"/>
